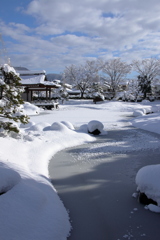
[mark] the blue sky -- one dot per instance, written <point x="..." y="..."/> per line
<point x="52" y="34"/>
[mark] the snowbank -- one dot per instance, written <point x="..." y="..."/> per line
<point x="147" y="116"/>
<point x="30" y="109"/>
<point x="149" y="122"/>
<point x="30" y="206"/>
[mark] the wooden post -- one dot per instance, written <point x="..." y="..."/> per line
<point x="46" y="94"/>
<point x="27" y="91"/>
<point x="49" y="93"/>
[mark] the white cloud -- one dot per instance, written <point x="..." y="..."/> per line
<point x="69" y="31"/>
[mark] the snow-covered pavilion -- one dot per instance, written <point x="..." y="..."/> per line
<point x="35" y="81"/>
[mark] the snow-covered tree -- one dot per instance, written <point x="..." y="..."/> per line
<point x="10" y="99"/>
<point x="97" y="87"/>
<point x="133" y="90"/>
<point x="148" y="70"/>
<point x="63" y="91"/>
<point x="115" y="71"/>
<point x="82" y="76"/>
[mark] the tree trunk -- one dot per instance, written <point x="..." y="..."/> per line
<point x="82" y="94"/>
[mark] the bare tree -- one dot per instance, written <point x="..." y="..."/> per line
<point x="116" y="70"/>
<point x="73" y="75"/>
<point x="70" y="73"/>
<point x="82" y="76"/>
<point x="148" y="68"/>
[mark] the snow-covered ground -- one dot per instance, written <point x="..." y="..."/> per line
<point x="30" y="206"/>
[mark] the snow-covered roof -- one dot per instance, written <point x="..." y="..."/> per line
<point x="32" y="79"/>
<point x="51" y="84"/>
<point x="57" y="81"/>
<point x="73" y="92"/>
<point x="67" y="85"/>
<point x="39" y="79"/>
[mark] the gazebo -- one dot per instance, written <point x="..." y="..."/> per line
<point x="37" y="84"/>
<point x="34" y="81"/>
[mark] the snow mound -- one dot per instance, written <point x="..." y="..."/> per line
<point x="28" y="125"/>
<point x="138" y="113"/>
<point x="95" y="125"/>
<point x="39" y="126"/>
<point x="155" y="109"/>
<point x="153" y="208"/>
<point x="145" y="101"/>
<point x="31" y="109"/>
<point x="146" y="110"/>
<point x="68" y="124"/>
<point x="83" y="128"/>
<point x="8" y="178"/>
<point x="147" y="180"/>
<point x="57" y="126"/>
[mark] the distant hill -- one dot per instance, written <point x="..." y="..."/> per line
<point x="21" y="69"/>
<point x="53" y="76"/>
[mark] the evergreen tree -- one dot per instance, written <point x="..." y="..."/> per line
<point x="144" y="85"/>
<point x="10" y="100"/>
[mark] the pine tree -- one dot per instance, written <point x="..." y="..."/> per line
<point x="10" y="100"/>
<point x="144" y="85"/>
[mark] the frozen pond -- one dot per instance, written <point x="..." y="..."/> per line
<point x="96" y="182"/>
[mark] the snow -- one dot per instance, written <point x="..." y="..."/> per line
<point x="30" y="109"/>
<point x="39" y="79"/>
<point x="68" y="124"/>
<point x="94" y="124"/>
<point x="35" y="207"/>
<point x="147" y="180"/>
<point x="153" y="208"/>
<point x="30" y="206"/>
<point x="148" y="122"/>
<point x="8" y="69"/>
<point x="32" y="79"/>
